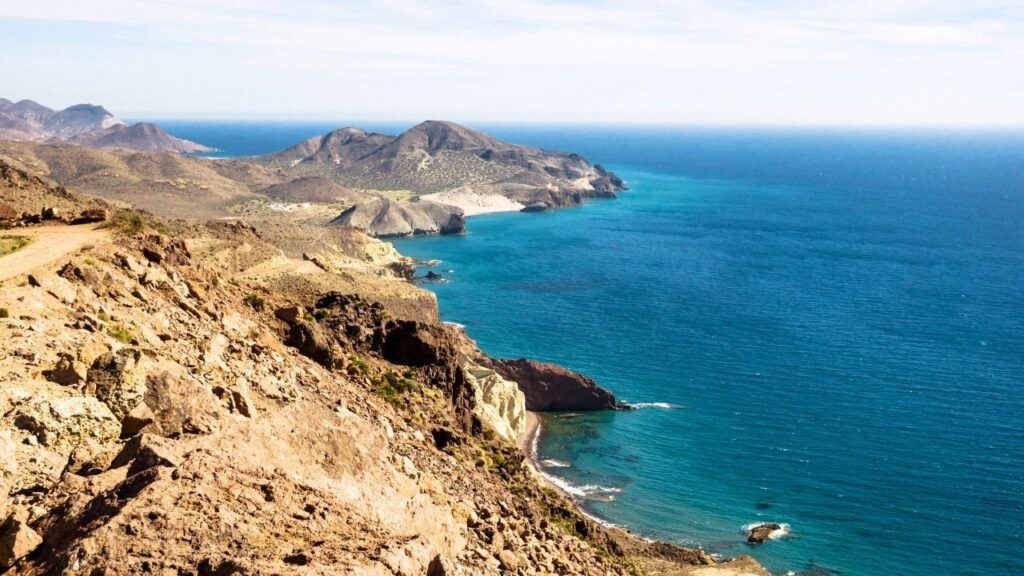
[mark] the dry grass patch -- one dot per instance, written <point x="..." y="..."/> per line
<point x="9" y="244"/>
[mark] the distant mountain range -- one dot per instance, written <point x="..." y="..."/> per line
<point x="423" y="181"/>
<point x="85" y="125"/>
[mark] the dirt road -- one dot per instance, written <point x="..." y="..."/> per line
<point x="48" y="244"/>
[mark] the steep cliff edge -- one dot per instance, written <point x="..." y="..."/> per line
<point x="167" y="409"/>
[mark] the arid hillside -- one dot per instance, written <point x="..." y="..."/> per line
<point x="182" y="398"/>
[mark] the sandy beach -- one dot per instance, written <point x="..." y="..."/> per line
<point x="526" y="438"/>
<point x="474" y="203"/>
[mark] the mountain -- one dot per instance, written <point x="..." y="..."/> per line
<point x="141" y="137"/>
<point x="435" y="156"/>
<point x="85" y="125"/>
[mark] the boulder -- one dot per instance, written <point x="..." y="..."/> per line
<point x="289" y="314"/>
<point x="68" y="371"/>
<point x="62" y="423"/>
<point x="8" y="214"/>
<point x="119" y="380"/>
<point x="179" y="403"/>
<point x="311" y="341"/>
<point x="552" y="388"/>
<point x="760" y="532"/>
<point x="91" y="216"/>
<point x="136" y="420"/>
<point x="17" y="540"/>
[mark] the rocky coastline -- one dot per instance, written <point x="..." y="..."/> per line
<point x="184" y="398"/>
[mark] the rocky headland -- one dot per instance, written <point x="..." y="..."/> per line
<point x="272" y="397"/>
<point x="85" y="125"/>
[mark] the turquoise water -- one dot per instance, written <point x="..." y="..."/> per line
<point x="836" y="317"/>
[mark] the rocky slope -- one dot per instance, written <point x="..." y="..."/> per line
<point x="187" y="399"/>
<point x="85" y="125"/>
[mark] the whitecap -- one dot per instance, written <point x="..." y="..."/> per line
<point x="661" y="405"/>
<point x="585" y="492"/>
<point x="456" y="324"/>
<point x="552" y="463"/>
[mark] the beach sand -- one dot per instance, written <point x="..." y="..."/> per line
<point x="526" y="438"/>
<point x="474" y="203"/>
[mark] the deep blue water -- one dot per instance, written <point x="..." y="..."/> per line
<point x="837" y="315"/>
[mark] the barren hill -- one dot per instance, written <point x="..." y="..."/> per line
<point x="435" y="156"/>
<point x="85" y="125"/>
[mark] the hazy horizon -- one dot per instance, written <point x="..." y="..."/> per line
<point x="896" y="63"/>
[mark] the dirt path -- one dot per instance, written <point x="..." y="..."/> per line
<point x="48" y="244"/>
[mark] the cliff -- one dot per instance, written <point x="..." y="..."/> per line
<point x="190" y="399"/>
<point x="552" y="388"/>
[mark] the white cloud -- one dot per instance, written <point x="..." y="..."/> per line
<point x="786" y="61"/>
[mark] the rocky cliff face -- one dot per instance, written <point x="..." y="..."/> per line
<point x="552" y="388"/>
<point x="500" y="405"/>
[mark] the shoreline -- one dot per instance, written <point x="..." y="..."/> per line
<point x="474" y="203"/>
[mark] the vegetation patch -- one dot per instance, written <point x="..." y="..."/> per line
<point x="392" y="387"/>
<point x="120" y="333"/>
<point x="4" y="313"/>
<point x="255" y="301"/>
<point x="9" y="244"/>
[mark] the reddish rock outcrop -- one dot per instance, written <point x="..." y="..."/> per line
<point x="552" y="388"/>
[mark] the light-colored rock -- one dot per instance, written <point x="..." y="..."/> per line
<point x="62" y="423"/>
<point x="499" y="402"/>
<point x="119" y="380"/>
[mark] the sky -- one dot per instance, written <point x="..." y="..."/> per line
<point x="846" y="62"/>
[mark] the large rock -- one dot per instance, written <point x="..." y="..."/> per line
<point x="386" y="218"/>
<point x="552" y="388"/>
<point x="178" y="402"/>
<point x="758" y="533"/>
<point x="17" y="540"/>
<point x="499" y="402"/>
<point x="119" y="380"/>
<point x="63" y="423"/>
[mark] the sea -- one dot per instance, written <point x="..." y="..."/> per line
<point x="820" y="327"/>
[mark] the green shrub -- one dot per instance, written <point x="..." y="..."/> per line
<point x="391" y="387"/>
<point x="255" y="301"/>
<point x="120" y="333"/>
<point x="4" y="313"/>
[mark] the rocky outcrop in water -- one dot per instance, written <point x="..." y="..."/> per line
<point x="552" y="388"/>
